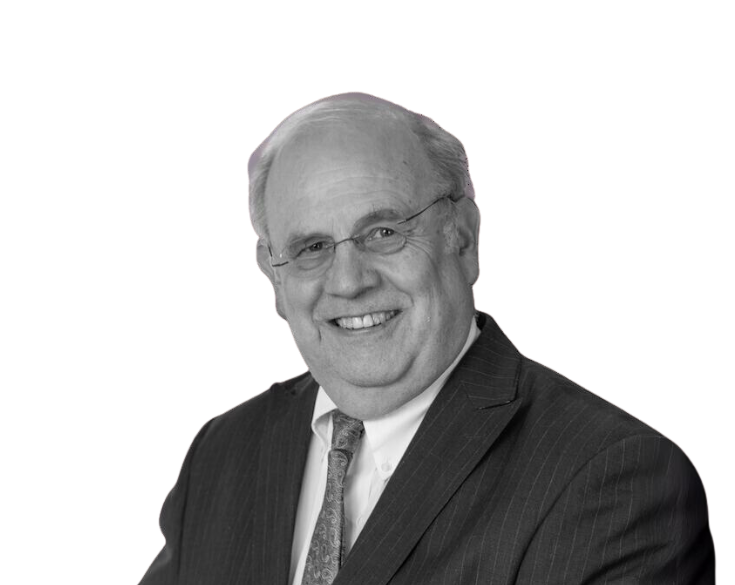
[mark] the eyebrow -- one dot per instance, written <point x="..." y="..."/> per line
<point x="378" y="215"/>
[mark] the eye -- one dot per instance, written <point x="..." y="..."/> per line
<point x="380" y="233"/>
<point x="384" y="240"/>
<point x="312" y="248"/>
<point x="315" y="247"/>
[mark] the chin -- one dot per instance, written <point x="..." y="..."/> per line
<point x="368" y="394"/>
<point x="368" y="378"/>
<point x="375" y="372"/>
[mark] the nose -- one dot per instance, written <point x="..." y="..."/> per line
<point x="350" y="273"/>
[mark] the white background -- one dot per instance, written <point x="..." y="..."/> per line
<point x="601" y="138"/>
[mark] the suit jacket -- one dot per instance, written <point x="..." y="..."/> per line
<point x="516" y="475"/>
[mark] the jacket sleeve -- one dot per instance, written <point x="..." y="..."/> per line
<point x="635" y="513"/>
<point x="165" y="567"/>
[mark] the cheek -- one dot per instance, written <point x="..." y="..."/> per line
<point x="430" y="276"/>
<point x="297" y="299"/>
<point x="443" y="291"/>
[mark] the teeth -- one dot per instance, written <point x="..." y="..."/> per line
<point x="369" y="320"/>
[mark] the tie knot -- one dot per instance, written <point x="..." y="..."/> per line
<point x="346" y="432"/>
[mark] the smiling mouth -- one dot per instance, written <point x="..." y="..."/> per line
<point x="365" y="321"/>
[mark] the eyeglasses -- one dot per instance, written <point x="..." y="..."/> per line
<point x="311" y="256"/>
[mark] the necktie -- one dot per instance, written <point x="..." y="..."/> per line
<point x="327" y="549"/>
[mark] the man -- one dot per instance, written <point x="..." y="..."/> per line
<point x="420" y="447"/>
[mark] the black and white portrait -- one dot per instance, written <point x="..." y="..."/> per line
<point x="469" y="270"/>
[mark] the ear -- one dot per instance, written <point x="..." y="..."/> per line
<point x="468" y="236"/>
<point x="264" y="262"/>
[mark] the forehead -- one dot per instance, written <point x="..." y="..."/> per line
<point x="331" y="174"/>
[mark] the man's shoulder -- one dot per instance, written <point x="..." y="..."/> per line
<point x="550" y="394"/>
<point x="578" y="430"/>
<point x="246" y="421"/>
<point x="271" y="398"/>
<point x="555" y="412"/>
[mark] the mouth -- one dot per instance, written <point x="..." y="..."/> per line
<point x="365" y="321"/>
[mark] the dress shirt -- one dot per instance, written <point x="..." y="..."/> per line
<point x="382" y="446"/>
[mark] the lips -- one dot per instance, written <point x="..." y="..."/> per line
<point x="365" y="321"/>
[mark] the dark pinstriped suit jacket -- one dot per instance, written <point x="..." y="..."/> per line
<point x="516" y="475"/>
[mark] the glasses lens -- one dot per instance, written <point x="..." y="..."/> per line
<point x="310" y="262"/>
<point x="384" y="240"/>
<point x="311" y="255"/>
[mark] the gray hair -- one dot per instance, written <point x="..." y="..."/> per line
<point x="444" y="151"/>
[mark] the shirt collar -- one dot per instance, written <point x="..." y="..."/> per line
<point x="388" y="436"/>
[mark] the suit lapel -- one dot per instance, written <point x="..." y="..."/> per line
<point x="281" y="467"/>
<point x="470" y="412"/>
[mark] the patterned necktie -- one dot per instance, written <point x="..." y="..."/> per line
<point x="327" y="549"/>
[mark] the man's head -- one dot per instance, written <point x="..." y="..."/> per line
<point x="380" y="317"/>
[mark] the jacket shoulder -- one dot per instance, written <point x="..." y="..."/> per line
<point x="250" y="416"/>
<point x="258" y="405"/>
<point x="613" y="488"/>
<point x="545" y="391"/>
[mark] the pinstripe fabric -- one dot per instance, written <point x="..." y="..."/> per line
<point x="516" y="475"/>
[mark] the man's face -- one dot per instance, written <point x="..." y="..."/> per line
<point x="326" y="181"/>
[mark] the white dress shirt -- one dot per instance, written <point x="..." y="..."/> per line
<point x="382" y="446"/>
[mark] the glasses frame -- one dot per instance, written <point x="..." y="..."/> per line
<point x="357" y="238"/>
